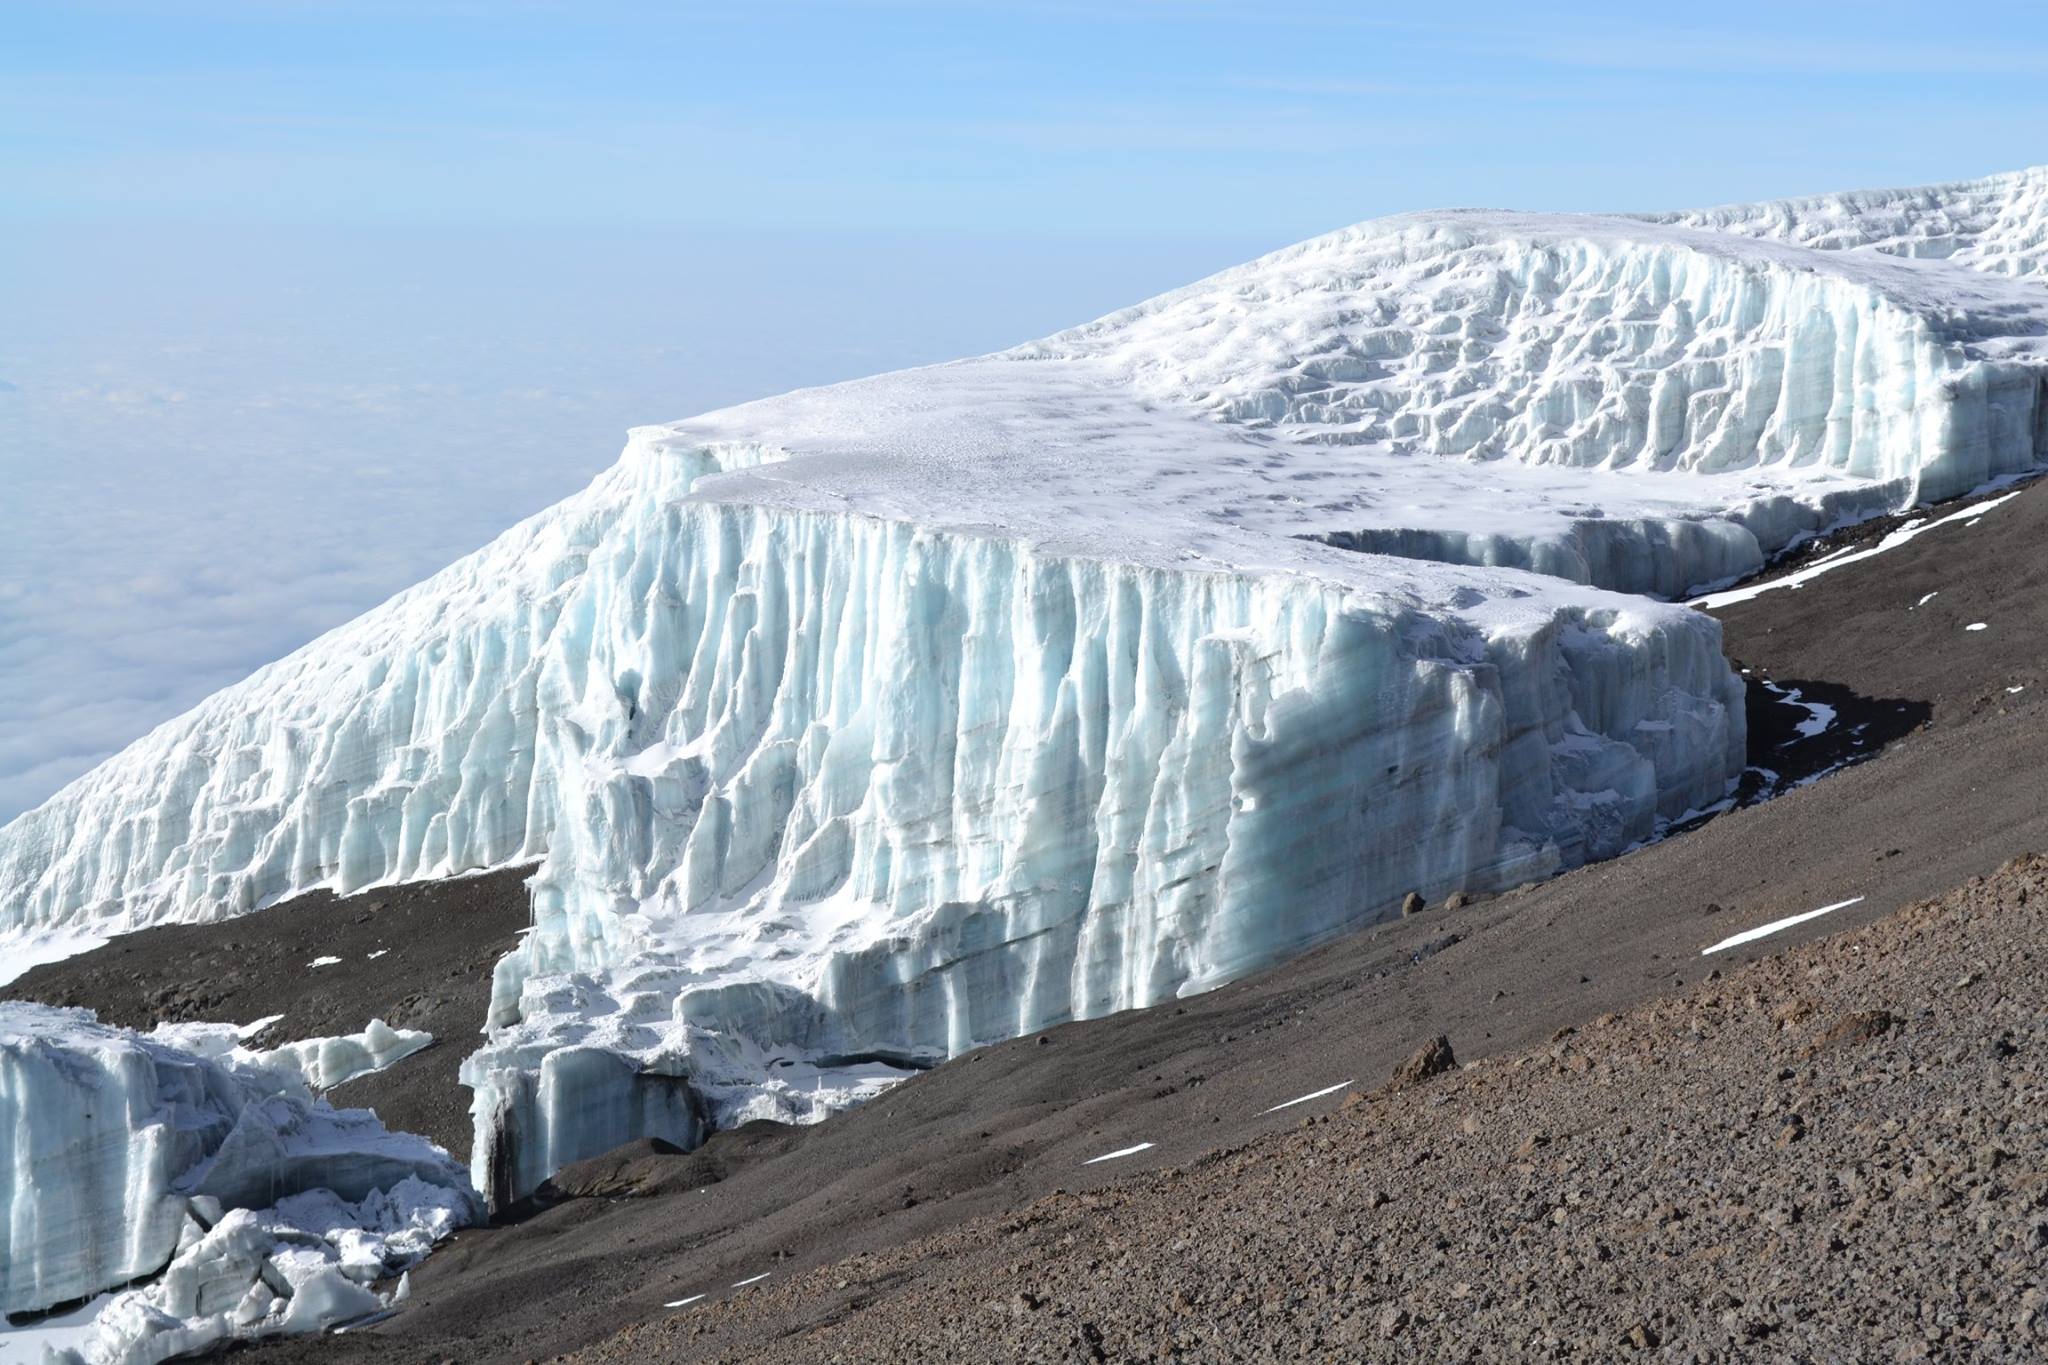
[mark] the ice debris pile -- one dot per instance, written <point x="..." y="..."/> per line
<point x="312" y="1261"/>
<point x="865" y="724"/>
<point x="127" y="1156"/>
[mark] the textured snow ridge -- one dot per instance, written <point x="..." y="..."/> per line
<point x="114" y="1138"/>
<point x="1591" y="342"/>
<point x="1998" y="224"/>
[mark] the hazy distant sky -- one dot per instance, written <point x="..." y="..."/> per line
<point x="300" y="301"/>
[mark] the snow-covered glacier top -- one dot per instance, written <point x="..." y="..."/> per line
<point x="1564" y="362"/>
<point x="872" y="722"/>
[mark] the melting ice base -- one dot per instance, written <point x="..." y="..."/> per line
<point x="862" y="725"/>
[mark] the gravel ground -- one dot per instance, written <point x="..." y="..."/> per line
<point x="1837" y="1154"/>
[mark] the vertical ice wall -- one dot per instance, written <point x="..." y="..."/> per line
<point x="398" y="747"/>
<point x="844" y="787"/>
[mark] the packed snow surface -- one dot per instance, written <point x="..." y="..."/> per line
<point x="860" y="726"/>
<point x="118" y="1143"/>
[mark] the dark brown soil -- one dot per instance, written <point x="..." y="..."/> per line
<point x="1838" y="1154"/>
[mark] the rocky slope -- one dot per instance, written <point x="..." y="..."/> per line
<point x="1835" y="1154"/>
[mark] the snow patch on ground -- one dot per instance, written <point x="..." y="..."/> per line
<point x="21" y="951"/>
<point x="1910" y="531"/>
<point x="1119" y="1152"/>
<point x="1765" y="930"/>
<point x="1312" y="1095"/>
<point x="1819" y="715"/>
<point x="58" y="1333"/>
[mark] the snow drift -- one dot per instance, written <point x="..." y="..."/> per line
<point x="862" y="725"/>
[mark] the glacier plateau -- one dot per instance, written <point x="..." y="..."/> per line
<point x="859" y="726"/>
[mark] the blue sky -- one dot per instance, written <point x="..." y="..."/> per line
<point x="1273" y="120"/>
<point x="305" y="300"/>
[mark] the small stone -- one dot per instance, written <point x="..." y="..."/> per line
<point x="1430" y="1060"/>
<point x="1393" y="1319"/>
<point x="1640" y="1337"/>
<point x="1456" y="901"/>
<point x="1858" y="1026"/>
<point x="1412" y="904"/>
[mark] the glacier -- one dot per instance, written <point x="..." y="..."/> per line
<point x="857" y="727"/>
<point x="121" y="1148"/>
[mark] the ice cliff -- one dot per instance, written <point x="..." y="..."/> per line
<point x="862" y="725"/>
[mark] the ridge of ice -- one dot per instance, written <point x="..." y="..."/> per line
<point x="1997" y="224"/>
<point x="318" y="1063"/>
